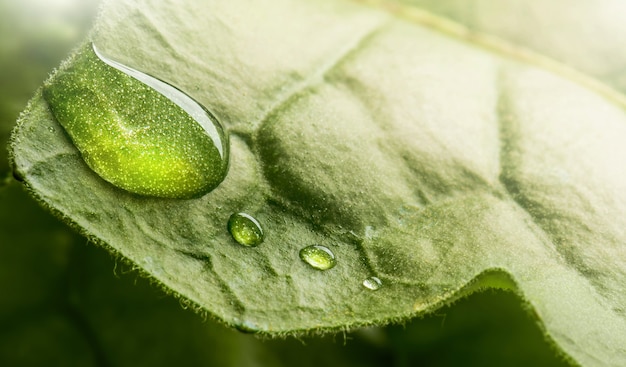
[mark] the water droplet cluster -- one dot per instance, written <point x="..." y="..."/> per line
<point x="135" y="131"/>
<point x="247" y="231"/>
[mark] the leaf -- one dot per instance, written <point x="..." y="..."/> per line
<point x="586" y="35"/>
<point x="61" y="305"/>
<point x="436" y="164"/>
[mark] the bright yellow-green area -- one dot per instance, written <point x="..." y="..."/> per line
<point x="132" y="135"/>
<point x="318" y="257"/>
<point x="245" y="229"/>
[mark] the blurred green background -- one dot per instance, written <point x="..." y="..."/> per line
<point x="66" y="302"/>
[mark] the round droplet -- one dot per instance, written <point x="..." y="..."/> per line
<point x="135" y="131"/>
<point x="372" y="283"/>
<point x="245" y="229"/>
<point x="318" y="257"/>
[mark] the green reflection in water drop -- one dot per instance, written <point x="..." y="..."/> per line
<point x="318" y="257"/>
<point x="245" y="229"/>
<point x="135" y="131"/>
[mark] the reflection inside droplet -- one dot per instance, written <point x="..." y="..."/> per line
<point x="318" y="257"/>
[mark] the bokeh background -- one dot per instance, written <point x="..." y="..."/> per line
<point x="66" y="302"/>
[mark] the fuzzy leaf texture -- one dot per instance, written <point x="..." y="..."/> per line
<point x="437" y="160"/>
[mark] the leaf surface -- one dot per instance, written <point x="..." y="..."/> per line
<point x="415" y="155"/>
<point x="586" y="35"/>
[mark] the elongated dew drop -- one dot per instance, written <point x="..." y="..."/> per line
<point x="135" y="131"/>
<point x="318" y="257"/>
<point x="245" y="229"/>
<point x="372" y="283"/>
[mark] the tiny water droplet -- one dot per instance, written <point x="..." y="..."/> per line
<point x="318" y="257"/>
<point x="135" y="131"/>
<point x="245" y="229"/>
<point x="372" y="283"/>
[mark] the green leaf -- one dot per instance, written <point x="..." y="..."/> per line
<point x="438" y="163"/>
<point x="586" y="35"/>
<point x="62" y="305"/>
<point x="68" y="303"/>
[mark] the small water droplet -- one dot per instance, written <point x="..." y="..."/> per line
<point x="318" y="257"/>
<point x="135" y="131"/>
<point x="245" y="229"/>
<point x="372" y="283"/>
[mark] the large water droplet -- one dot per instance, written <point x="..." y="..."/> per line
<point x="138" y="132"/>
<point x="318" y="257"/>
<point x="372" y="283"/>
<point x="245" y="229"/>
